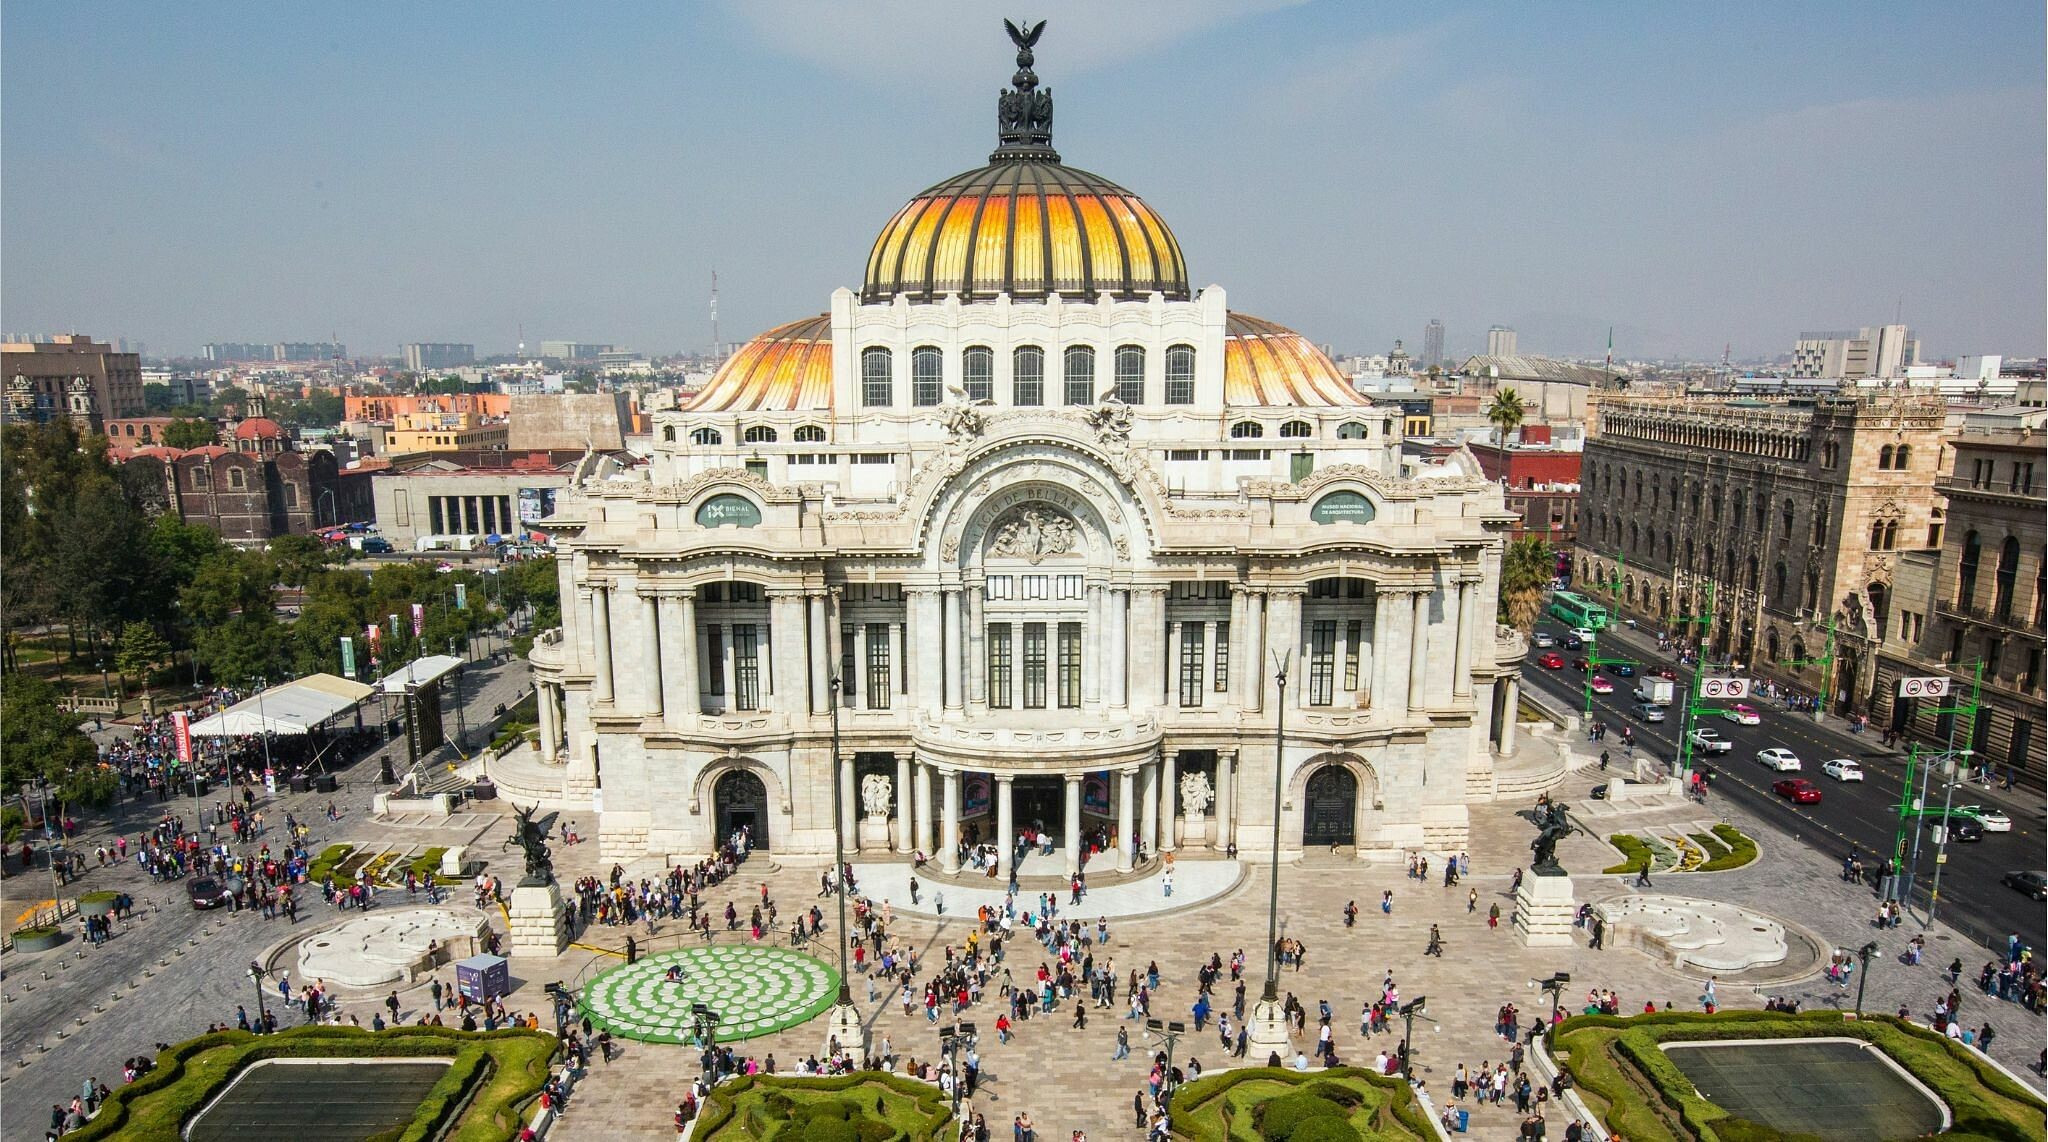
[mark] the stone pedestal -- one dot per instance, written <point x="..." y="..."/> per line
<point x="1194" y="832"/>
<point x="845" y="1028"/>
<point x="1266" y="1034"/>
<point x="539" y="920"/>
<point x="1544" y="909"/>
<point x="874" y="834"/>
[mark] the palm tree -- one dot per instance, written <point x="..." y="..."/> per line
<point x="1505" y="413"/>
<point x="1525" y="571"/>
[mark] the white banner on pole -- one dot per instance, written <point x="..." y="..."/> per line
<point x="1923" y="686"/>
<point x="1724" y="687"/>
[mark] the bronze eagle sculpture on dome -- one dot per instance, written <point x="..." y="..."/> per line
<point x="1025" y="40"/>
<point x="1024" y="113"/>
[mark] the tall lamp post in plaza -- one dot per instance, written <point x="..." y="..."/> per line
<point x="1267" y="1035"/>
<point x="1555" y="986"/>
<point x="1408" y="1012"/>
<point x="951" y="1040"/>
<point x="1864" y="955"/>
<point x="704" y="1022"/>
<point x="845" y="1026"/>
<point x="1171" y="1033"/>
<point x="256" y="977"/>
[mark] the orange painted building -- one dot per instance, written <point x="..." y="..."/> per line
<point x="383" y="408"/>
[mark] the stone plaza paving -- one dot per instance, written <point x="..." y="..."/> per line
<point x="756" y="991"/>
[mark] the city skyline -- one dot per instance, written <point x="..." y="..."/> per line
<point x="403" y="176"/>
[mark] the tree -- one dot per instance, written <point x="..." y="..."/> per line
<point x="297" y="558"/>
<point x="1525" y="571"/>
<point x="1505" y="413"/>
<point x="158" y="399"/>
<point x="321" y="410"/>
<point x="40" y="741"/>
<point x="190" y="434"/>
<point x="140" y="650"/>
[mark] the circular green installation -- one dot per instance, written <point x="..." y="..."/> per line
<point x="755" y="991"/>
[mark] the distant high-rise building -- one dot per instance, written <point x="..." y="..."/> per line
<point x="573" y="350"/>
<point x="308" y="351"/>
<point x="225" y="351"/>
<point x="1433" y="343"/>
<point x="1500" y="341"/>
<point x="421" y="356"/>
<point x="1871" y="352"/>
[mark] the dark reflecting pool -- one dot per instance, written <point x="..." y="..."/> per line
<point x="1834" y="1088"/>
<point x="323" y="1100"/>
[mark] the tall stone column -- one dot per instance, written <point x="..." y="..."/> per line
<point x="1126" y="792"/>
<point x="550" y="731"/>
<point x="818" y="641"/>
<point x="949" y="835"/>
<point x="1226" y="798"/>
<point x="956" y="667"/>
<point x="1461" y="661"/>
<point x="924" y="807"/>
<point x="1283" y="630"/>
<point x="1175" y="632"/>
<point x="788" y="653"/>
<point x="601" y="633"/>
<point x="927" y="642"/>
<point x="1092" y="653"/>
<point x="1238" y="622"/>
<point x="1148" y="816"/>
<point x="648" y="625"/>
<point x="849" y="804"/>
<point x="1169" y="788"/>
<point x="1510" y="713"/>
<point x="1006" y="824"/>
<point x="1147" y="636"/>
<point x="905" y="818"/>
<point x="1389" y="650"/>
<point x="676" y="618"/>
<point x="729" y="666"/>
<point x="1253" y="698"/>
<point x="1119" y="648"/>
<point x="977" y="654"/>
<point x="1418" y="654"/>
<point x="1073" y="837"/>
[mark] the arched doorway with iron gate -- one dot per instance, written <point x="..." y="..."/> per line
<point x="740" y="800"/>
<point x="1329" y="807"/>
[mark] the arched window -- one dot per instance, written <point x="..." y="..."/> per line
<point x="1750" y="580"/>
<point x="1080" y="375"/>
<point x="1778" y="583"/>
<point x="1902" y="457"/>
<point x="668" y="433"/>
<point x="1130" y="374"/>
<point x="1771" y="645"/>
<point x="1027" y="376"/>
<point x="760" y="434"/>
<point x="877" y="384"/>
<point x="1296" y="429"/>
<point x="1891" y="534"/>
<point x="1884" y="458"/>
<point x="1351" y="430"/>
<point x="808" y="434"/>
<point x="706" y="436"/>
<point x="1821" y="520"/>
<point x="1180" y="376"/>
<point x="926" y="385"/>
<point x="1634" y="536"/>
<point x="2007" y="577"/>
<point x="236" y="479"/>
<point x="1246" y="430"/>
<point x="978" y="372"/>
<point x="1812" y="590"/>
<point x="1786" y="521"/>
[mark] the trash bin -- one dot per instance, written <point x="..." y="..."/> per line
<point x="302" y="783"/>
<point x="325" y="783"/>
<point x="200" y="786"/>
<point x="1464" y="1119"/>
<point x="483" y="789"/>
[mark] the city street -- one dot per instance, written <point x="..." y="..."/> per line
<point x="1860" y="815"/>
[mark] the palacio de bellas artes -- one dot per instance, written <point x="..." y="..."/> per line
<point x="1046" y="521"/>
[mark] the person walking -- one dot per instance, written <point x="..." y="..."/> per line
<point x="1493" y="915"/>
<point x="1123" y="1044"/>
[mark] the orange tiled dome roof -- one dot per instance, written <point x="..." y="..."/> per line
<point x="1267" y="364"/>
<point x="259" y="427"/>
<point x="785" y="369"/>
<point x="1027" y="227"/>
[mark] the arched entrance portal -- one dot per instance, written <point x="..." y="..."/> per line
<point x="741" y="801"/>
<point x="1330" y="807"/>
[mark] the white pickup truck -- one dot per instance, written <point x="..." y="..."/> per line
<point x="1707" y="741"/>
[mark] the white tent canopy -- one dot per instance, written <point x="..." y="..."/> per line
<point x="419" y="672"/>
<point x="293" y="708"/>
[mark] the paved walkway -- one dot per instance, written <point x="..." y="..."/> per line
<point x="1194" y="882"/>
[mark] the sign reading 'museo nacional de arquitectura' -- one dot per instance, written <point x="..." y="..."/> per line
<point x="1044" y="519"/>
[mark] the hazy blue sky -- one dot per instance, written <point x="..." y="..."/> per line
<point x="1692" y="174"/>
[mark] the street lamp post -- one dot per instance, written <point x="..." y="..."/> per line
<point x="1555" y="986"/>
<point x="1864" y="955"/>
<point x="1268" y="1031"/>
<point x="106" y="690"/>
<point x="1408" y="1011"/>
<point x="256" y="977"/>
<point x="1171" y="1033"/>
<point x="951" y="1040"/>
<point x="704" y="1022"/>
<point x="845" y="1025"/>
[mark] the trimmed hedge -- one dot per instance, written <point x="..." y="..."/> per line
<point x="1984" y="1102"/>
<point x="1390" y="1106"/>
<point x="1710" y="845"/>
<point x="1635" y="855"/>
<point x="491" y="1077"/>
<point x="329" y="859"/>
<point x="427" y="866"/>
<point x="1741" y="850"/>
<point x="763" y="1107"/>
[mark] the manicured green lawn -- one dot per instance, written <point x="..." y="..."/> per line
<point x="1259" y="1103"/>
<point x="866" y="1107"/>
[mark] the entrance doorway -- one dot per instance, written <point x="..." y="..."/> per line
<point x="741" y="802"/>
<point x="1040" y="803"/>
<point x="1330" y="807"/>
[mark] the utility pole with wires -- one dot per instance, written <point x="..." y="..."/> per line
<point x="1689" y="716"/>
<point x="1953" y="761"/>
<point x="1593" y="660"/>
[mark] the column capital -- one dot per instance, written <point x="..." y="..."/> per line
<point x="921" y="591"/>
<point x="1287" y="590"/>
<point x="1074" y="778"/>
<point x="789" y="592"/>
<point x="1006" y="779"/>
<point x="1128" y="770"/>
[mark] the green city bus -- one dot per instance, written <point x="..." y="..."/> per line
<point x="1577" y="611"/>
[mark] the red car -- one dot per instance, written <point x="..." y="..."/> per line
<point x="1551" y="661"/>
<point x="1582" y="664"/>
<point x="1797" y="790"/>
<point x="1666" y="673"/>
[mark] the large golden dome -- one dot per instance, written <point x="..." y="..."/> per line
<point x="1027" y="227"/>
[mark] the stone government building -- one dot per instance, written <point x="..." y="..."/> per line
<point x="1048" y="515"/>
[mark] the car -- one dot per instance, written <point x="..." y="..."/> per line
<point x="1582" y="664"/>
<point x="1574" y="642"/>
<point x="1707" y="741"/>
<point x="2034" y="884"/>
<point x="375" y="545"/>
<point x="1599" y="685"/>
<point x="1797" y="790"/>
<point x="1545" y="640"/>
<point x="1842" y="769"/>
<point x="1993" y="820"/>
<point x="1779" y="758"/>
<point x="1649" y="711"/>
<point x="1960" y="828"/>
<point x="1623" y="669"/>
<point x="1551" y="661"/>
<point x="1584" y="634"/>
<point x="1743" y="715"/>
<point x="205" y="892"/>
<point x="1666" y="673"/>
